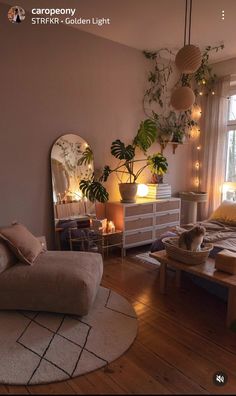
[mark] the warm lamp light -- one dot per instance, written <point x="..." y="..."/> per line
<point x="110" y="227"/>
<point x="142" y="190"/>
<point x="77" y="195"/>
<point x="197" y="182"/>
<point x="195" y="132"/>
<point x="196" y="112"/>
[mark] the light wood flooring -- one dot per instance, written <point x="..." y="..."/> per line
<point x="182" y="340"/>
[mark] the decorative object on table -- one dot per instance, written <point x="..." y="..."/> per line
<point x="110" y="227"/>
<point x="226" y="261"/>
<point x="159" y="191"/>
<point x="126" y="167"/>
<point x="186" y="256"/>
<point x="142" y="190"/>
<point x="158" y="166"/>
<point x="99" y="224"/>
<point x="46" y="347"/>
<point x="192" y="239"/>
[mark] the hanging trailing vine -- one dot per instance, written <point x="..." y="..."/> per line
<point x="172" y="126"/>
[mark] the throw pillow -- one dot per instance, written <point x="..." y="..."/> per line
<point x="226" y="213"/>
<point x="22" y="243"/>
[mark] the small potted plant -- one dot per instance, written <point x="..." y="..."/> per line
<point x="158" y="166"/>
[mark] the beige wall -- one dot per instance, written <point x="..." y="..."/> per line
<point x="225" y="67"/>
<point x="56" y="80"/>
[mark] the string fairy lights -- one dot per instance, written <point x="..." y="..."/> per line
<point x="195" y="136"/>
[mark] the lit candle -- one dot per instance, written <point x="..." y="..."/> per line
<point x="110" y="227"/>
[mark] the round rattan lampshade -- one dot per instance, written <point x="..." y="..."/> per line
<point x="188" y="59"/>
<point x="182" y="98"/>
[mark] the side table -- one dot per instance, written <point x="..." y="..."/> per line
<point x="95" y="241"/>
<point x="193" y="199"/>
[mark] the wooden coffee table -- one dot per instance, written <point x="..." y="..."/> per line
<point x="206" y="271"/>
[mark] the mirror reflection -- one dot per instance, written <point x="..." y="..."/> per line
<point x="71" y="161"/>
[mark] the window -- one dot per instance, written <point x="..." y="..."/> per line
<point x="229" y="190"/>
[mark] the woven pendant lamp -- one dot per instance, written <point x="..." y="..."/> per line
<point x="188" y="59"/>
<point x="182" y="98"/>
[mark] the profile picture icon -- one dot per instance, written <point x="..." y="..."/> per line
<point x="16" y="14"/>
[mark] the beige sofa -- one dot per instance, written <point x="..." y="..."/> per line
<point x="65" y="282"/>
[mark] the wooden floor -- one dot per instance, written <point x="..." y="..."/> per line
<point x="182" y="341"/>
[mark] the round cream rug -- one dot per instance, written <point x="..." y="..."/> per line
<point x="39" y="347"/>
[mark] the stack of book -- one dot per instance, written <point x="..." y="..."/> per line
<point x="158" y="191"/>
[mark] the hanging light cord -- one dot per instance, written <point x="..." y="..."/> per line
<point x="185" y="21"/>
<point x="188" y="20"/>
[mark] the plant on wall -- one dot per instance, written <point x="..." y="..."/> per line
<point x="158" y="77"/>
<point x="172" y="126"/>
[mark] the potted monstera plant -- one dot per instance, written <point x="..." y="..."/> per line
<point x="129" y="166"/>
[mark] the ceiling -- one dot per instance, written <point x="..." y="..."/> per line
<point x="153" y="24"/>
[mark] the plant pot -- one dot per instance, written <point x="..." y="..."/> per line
<point x="164" y="137"/>
<point x="128" y="192"/>
<point x="179" y="138"/>
<point x="157" y="179"/>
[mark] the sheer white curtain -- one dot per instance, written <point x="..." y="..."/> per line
<point x="213" y="144"/>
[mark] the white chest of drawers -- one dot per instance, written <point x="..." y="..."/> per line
<point x="145" y="220"/>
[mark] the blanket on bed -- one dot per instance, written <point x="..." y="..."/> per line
<point x="219" y="234"/>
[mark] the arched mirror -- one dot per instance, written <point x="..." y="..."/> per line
<point x="71" y="162"/>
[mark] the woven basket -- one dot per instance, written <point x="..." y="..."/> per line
<point x="186" y="256"/>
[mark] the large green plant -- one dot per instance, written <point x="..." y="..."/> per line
<point x="128" y="163"/>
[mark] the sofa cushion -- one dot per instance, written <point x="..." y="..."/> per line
<point x="65" y="282"/>
<point x="22" y="243"/>
<point x="7" y="258"/>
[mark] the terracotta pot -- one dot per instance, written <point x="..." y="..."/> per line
<point x="128" y="192"/>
